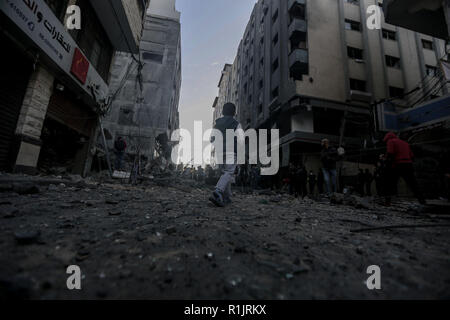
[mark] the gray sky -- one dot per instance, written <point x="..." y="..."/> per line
<point x="211" y="31"/>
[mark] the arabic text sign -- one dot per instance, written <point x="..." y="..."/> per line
<point x="39" y="23"/>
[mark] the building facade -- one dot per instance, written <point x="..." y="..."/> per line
<point x="145" y="109"/>
<point x="313" y="69"/>
<point x="55" y="83"/>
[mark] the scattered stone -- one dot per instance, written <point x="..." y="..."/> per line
<point x="52" y="187"/>
<point x="171" y="230"/>
<point x="115" y="213"/>
<point x="8" y="211"/>
<point x="25" y="188"/>
<point x="5" y="187"/>
<point x="110" y="201"/>
<point x="27" y="237"/>
<point x="209" y="256"/>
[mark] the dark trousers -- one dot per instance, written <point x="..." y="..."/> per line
<point x="405" y="171"/>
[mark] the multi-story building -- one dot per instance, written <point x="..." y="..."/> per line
<point x="145" y="109"/>
<point x="54" y="81"/>
<point x="313" y="69"/>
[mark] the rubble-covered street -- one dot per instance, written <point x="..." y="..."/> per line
<point x="164" y="240"/>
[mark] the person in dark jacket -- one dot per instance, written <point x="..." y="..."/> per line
<point x="399" y="159"/>
<point x="301" y="178"/>
<point x="361" y="182"/>
<point x="368" y="178"/>
<point x="329" y="156"/>
<point x="119" y="149"/>
<point x="312" y="182"/>
<point x="222" y="194"/>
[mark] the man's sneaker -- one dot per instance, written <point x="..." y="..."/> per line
<point x="217" y="199"/>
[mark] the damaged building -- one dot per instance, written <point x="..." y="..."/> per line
<point x="147" y="86"/>
<point x="54" y="81"/>
<point x="314" y="70"/>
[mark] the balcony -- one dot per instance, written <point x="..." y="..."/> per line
<point x="293" y="4"/>
<point x="297" y="31"/>
<point x="299" y="63"/>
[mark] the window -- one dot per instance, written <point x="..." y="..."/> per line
<point x="250" y="99"/>
<point x="431" y="71"/>
<point x="261" y="84"/>
<point x="392" y="62"/>
<point x="427" y="44"/>
<point x="275" y="16"/>
<point x="154" y="57"/>
<point x="354" y="53"/>
<point x="275" y="39"/>
<point x="275" y="93"/>
<point x="93" y="40"/>
<point x="389" y="35"/>
<point x="352" y="1"/>
<point x="396" y="92"/>
<point x="275" y="65"/>
<point x="261" y="62"/>
<point x="358" y="85"/>
<point x="260" y="109"/>
<point x="352" y="25"/>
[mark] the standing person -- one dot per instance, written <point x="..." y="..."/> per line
<point x="380" y="176"/>
<point x="292" y="179"/>
<point x="119" y="149"/>
<point x="320" y="180"/>
<point x="368" y="178"/>
<point x="399" y="159"/>
<point x="329" y="157"/>
<point x="302" y="181"/>
<point x="361" y="182"/>
<point x="312" y="182"/>
<point x="222" y="194"/>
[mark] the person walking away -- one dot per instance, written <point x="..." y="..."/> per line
<point x="302" y="181"/>
<point x="368" y="178"/>
<point x="119" y="149"/>
<point x="312" y="182"/>
<point x="222" y="194"/>
<point x="399" y="159"/>
<point x="329" y="157"/>
<point x="292" y="179"/>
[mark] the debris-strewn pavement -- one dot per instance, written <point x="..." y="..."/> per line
<point x="167" y="242"/>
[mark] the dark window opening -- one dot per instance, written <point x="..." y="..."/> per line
<point x="393" y="62"/>
<point x="390" y="35"/>
<point x="275" y="39"/>
<point x="154" y="57"/>
<point x="357" y="85"/>
<point x="275" y="93"/>
<point x="396" y="92"/>
<point x="355" y="53"/>
<point x="275" y="16"/>
<point x="352" y="25"/>
<point x="327" y="121"/>
<point x="275" y="65"/>
<point x="427" y="44"/>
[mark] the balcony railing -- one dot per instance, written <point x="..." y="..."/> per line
<point x="297" y="30"/>
<point x="299" y="63"/>
<point x="293" y="3"/>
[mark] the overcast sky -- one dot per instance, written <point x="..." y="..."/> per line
<point x="210" y="31"/>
